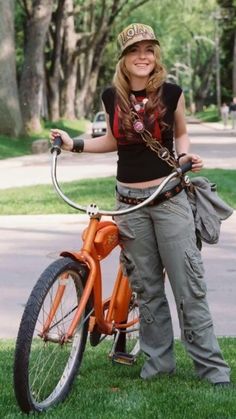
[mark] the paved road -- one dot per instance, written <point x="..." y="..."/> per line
<point x="29" y="243"/>
<point x="216" y="146"/>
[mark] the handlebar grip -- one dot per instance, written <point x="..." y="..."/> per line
<point x="57" y="145"/>
<point x="186" y="167"/>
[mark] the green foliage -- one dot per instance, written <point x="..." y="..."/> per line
<point x="178" y="25"/>
<point x="227" y="23"/>
<point x="20" y="22"/>
<point x="107" y="391"/>
<point x="186" y="33"/>
<point x="208" y="114"/>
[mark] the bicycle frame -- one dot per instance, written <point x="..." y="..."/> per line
<point x="99" y="239"/>
<point x="65" y="303"/>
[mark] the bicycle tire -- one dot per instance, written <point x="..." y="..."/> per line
<point x="45" y="370"/>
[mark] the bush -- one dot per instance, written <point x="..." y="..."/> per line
<point x="209" y="114"/>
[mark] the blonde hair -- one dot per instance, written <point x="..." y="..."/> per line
<point x="121" y="82"/>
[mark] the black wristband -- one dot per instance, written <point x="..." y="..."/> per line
<point x="180" y="155"/>
<point x="78" y="145"/>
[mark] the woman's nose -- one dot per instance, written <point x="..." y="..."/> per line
<point x="142" y="54"/>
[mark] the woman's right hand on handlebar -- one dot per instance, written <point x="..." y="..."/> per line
<point x="67" y="142"/>
<point x="197" y="163"/>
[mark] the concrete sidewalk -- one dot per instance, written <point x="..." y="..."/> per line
<point x="219" y="126"/>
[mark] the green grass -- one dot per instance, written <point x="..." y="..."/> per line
<point x="225" y="181"/>
<point x="42" y="199"/>
<point x="15" y="147"/>
<point x="107" y="391"/>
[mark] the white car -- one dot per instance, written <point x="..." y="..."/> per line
<point x="99" y="126"/>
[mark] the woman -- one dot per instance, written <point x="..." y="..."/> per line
<point x="144" y="114"/>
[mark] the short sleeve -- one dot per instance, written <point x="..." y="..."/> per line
<point x="108" y="98"/>
<point x="171" y="93"/>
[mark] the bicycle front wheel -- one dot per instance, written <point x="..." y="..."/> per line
<point x="45" y="367"/>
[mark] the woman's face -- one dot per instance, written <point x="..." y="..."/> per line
<point x="140" y="60"/>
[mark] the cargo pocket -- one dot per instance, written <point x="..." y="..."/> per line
<point x="147" y="331"/>
<point x="195" y="272"/>
<point x="145" y="314"/>
<point x="130" y="270"/>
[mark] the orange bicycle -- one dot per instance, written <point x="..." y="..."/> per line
<point x="66" y="303"/>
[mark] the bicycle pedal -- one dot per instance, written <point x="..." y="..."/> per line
<point x="123" y="358"/>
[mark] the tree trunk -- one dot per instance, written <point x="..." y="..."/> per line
<point x="70" y="64"/>
<point x="86" y="93"/>
<point x="54" y="76"/>
<point x="10" y="115"/>
<point x="204" y="73"/>
<point x="234" y="65"/>
<point x="32" y="78"/>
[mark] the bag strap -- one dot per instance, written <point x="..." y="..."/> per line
<point x="162" y="152"/>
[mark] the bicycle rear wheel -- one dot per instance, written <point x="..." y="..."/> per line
<point x="45" y="367"/>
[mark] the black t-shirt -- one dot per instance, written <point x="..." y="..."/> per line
<point x="137" y="162"/>
<point x="232" y="107"/>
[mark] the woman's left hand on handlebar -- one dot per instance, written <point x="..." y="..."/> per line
<point x="197" y="163"/>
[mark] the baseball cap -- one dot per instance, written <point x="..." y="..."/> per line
<point x="136" y="32"/>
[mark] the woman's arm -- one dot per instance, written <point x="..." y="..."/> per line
<point x="103" y="144"/>
<point x="182" y="142"/>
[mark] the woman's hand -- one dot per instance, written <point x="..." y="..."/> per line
<point x="67" y="141"/>
<point x="197" y="163"/>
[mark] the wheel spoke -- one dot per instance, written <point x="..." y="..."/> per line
<point x="51" y="363"/>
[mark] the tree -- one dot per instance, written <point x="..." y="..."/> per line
<point x="85" y="32"/>
<point x="11" y="122"/>
<point x="228" y="42"/>
<point x="32" y="77"/>
<point x="55" y="41"/>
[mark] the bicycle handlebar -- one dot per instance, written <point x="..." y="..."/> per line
<point x="57" y="145"/>
<point x="92" y="210"/>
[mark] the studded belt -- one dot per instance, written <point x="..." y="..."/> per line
<point x="160" y="198"/>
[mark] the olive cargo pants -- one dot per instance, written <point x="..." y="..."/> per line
<point x="163" y="236"/>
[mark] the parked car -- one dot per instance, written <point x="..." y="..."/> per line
<point x="99" y="126"/>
